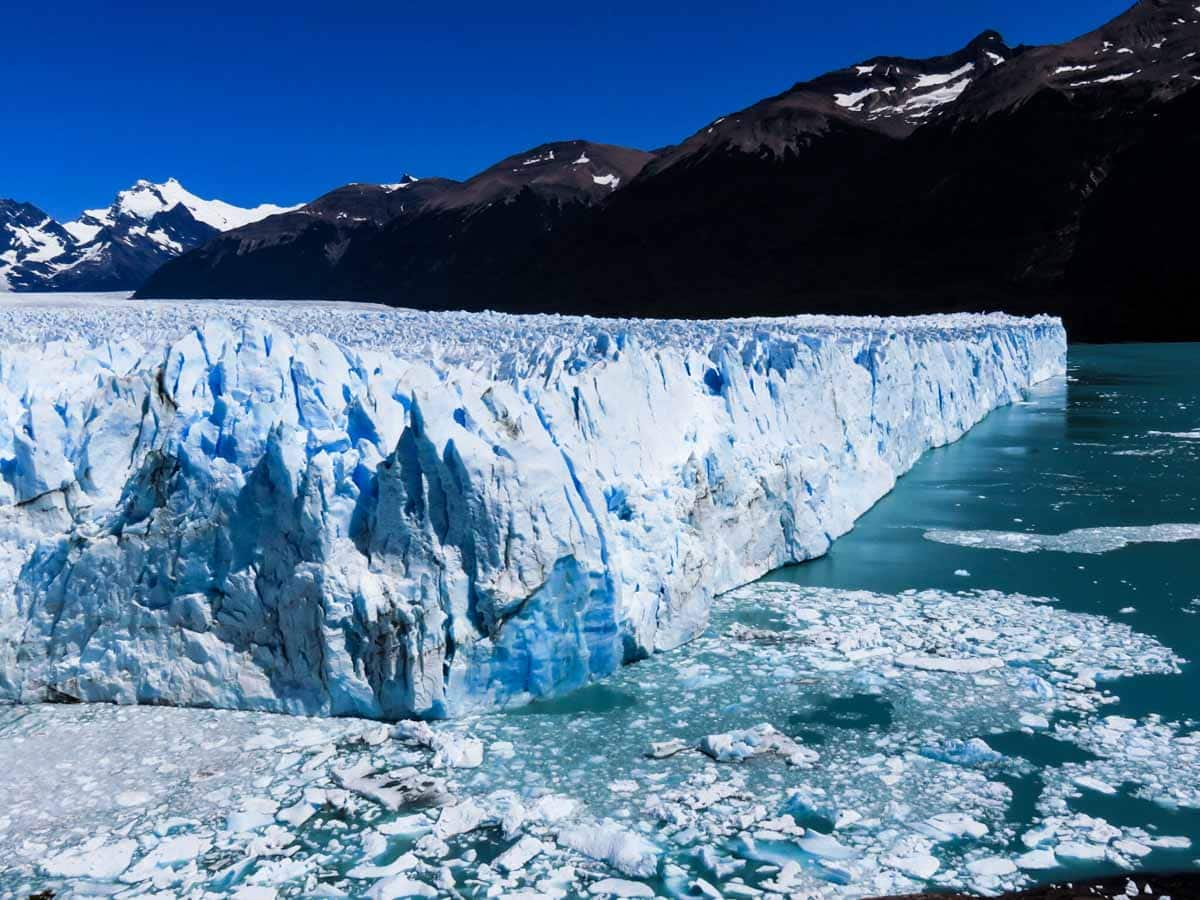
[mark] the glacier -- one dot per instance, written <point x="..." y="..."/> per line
<point x="352" y="511"/>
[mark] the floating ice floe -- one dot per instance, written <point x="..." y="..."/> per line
<point x="1081" y="540"/>
<point x="761" y="740"/>
<point x="248" y="802"/>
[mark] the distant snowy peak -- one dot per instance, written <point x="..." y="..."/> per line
<point x="29" y="241"/>
<point x="115" y="247"/>
<point x="146" y="199"/>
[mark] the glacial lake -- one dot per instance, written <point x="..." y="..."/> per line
<point x="1061" y="743"/>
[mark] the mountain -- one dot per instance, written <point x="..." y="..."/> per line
<point x="424" y="242"/>
<point x="1056" y="178"/>
<point x="114" y="248"/>
<point x="29" y="241"/>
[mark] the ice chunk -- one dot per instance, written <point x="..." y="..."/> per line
<point x="97" y="859"/>
<point x="619" y="887"/>
<point x="992" y="866"/>
<point x="738" y="746"/>
<point x="400" y="886"/>
<point x="1081" y="540"/>
<point x="624" y="850"/>
<point x="519" y="854"/>
<point x="973" y="752"/>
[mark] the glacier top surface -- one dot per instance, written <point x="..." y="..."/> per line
<point x="93" y="318"/>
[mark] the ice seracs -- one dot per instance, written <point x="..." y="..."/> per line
<point x="388" y="514"/>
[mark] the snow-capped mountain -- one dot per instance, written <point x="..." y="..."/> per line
<point x="1056" y="178"/>
<point x="423" y="238"/>
<point x="30" y="241"/>
<point x="891" y="95"/>
<point x="114" y="248"/>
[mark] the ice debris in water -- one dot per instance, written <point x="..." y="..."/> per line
<point x="973" y="752"/>
<point x="190" y="801"/>
<point x="747" y="743"/>
<point x="1081" y="540"/>
<point x="362" y="512"/>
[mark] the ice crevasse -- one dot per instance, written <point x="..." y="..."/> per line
<point x="393" y="514"/>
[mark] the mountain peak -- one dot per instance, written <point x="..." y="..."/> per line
<point x="146" y="199"/>
<point x="989" y="38"/>
<point x="569" y="170"/>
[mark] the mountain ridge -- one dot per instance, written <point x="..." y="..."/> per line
<point x="115" y="247"/>
<point x="990" y="177"/>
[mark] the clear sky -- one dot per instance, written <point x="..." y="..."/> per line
<point x="269" y="101"/>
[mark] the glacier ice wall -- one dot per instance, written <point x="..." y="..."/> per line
<point x="356" y="512"/>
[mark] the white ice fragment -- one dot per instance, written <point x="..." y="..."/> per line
<point x="459" y="819"/>
<point x="256" y="812"/>
<point x="1094" y="784"/>
<point x="1081" y="540"/>
<point x="624" y="850"/>
<point x="992" y="866"/>
<point x="1080" y="850"/>
<point x="825" y="846"/>
<point x="958" y="825"/>
<point x="619" y="887"/>
<point x="519" y="854"/>
<point x="1130" y="847"/>
<point x="170" y="853"/>
<point x="665" y="749"/>
<point x="966" y="665"/>
<point x="400" y="886"/>
<point x="96" y="859"/>
<point x="1037" y="859"/>
<point x="747" y="743"/>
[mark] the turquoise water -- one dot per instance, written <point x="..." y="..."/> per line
<point x="1053" y="464"/>
<point x="1080" y="453"/>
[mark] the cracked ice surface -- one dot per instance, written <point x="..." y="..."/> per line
<point x="899" y="789"/>
<point x="355" y="511"/>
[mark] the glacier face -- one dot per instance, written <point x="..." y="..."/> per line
<point x="351" y="511"/>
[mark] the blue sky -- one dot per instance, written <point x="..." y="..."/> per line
<point x="255" y="102"/>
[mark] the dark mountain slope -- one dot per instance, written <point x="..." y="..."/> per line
<point x="1056" y="179"/>
<point x="418" y="243"/>
<point x="1135" y="268"/>
<point x="294" y="254"/>
<point x="990" y="205"/>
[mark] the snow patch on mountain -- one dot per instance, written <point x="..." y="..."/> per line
<point x="389" y="513"/>
<point x="939" y="78"/>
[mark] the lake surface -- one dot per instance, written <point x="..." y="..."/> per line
<point x="927" y="712"/>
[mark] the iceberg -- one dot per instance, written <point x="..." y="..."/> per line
<point x="352" y="511"/>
